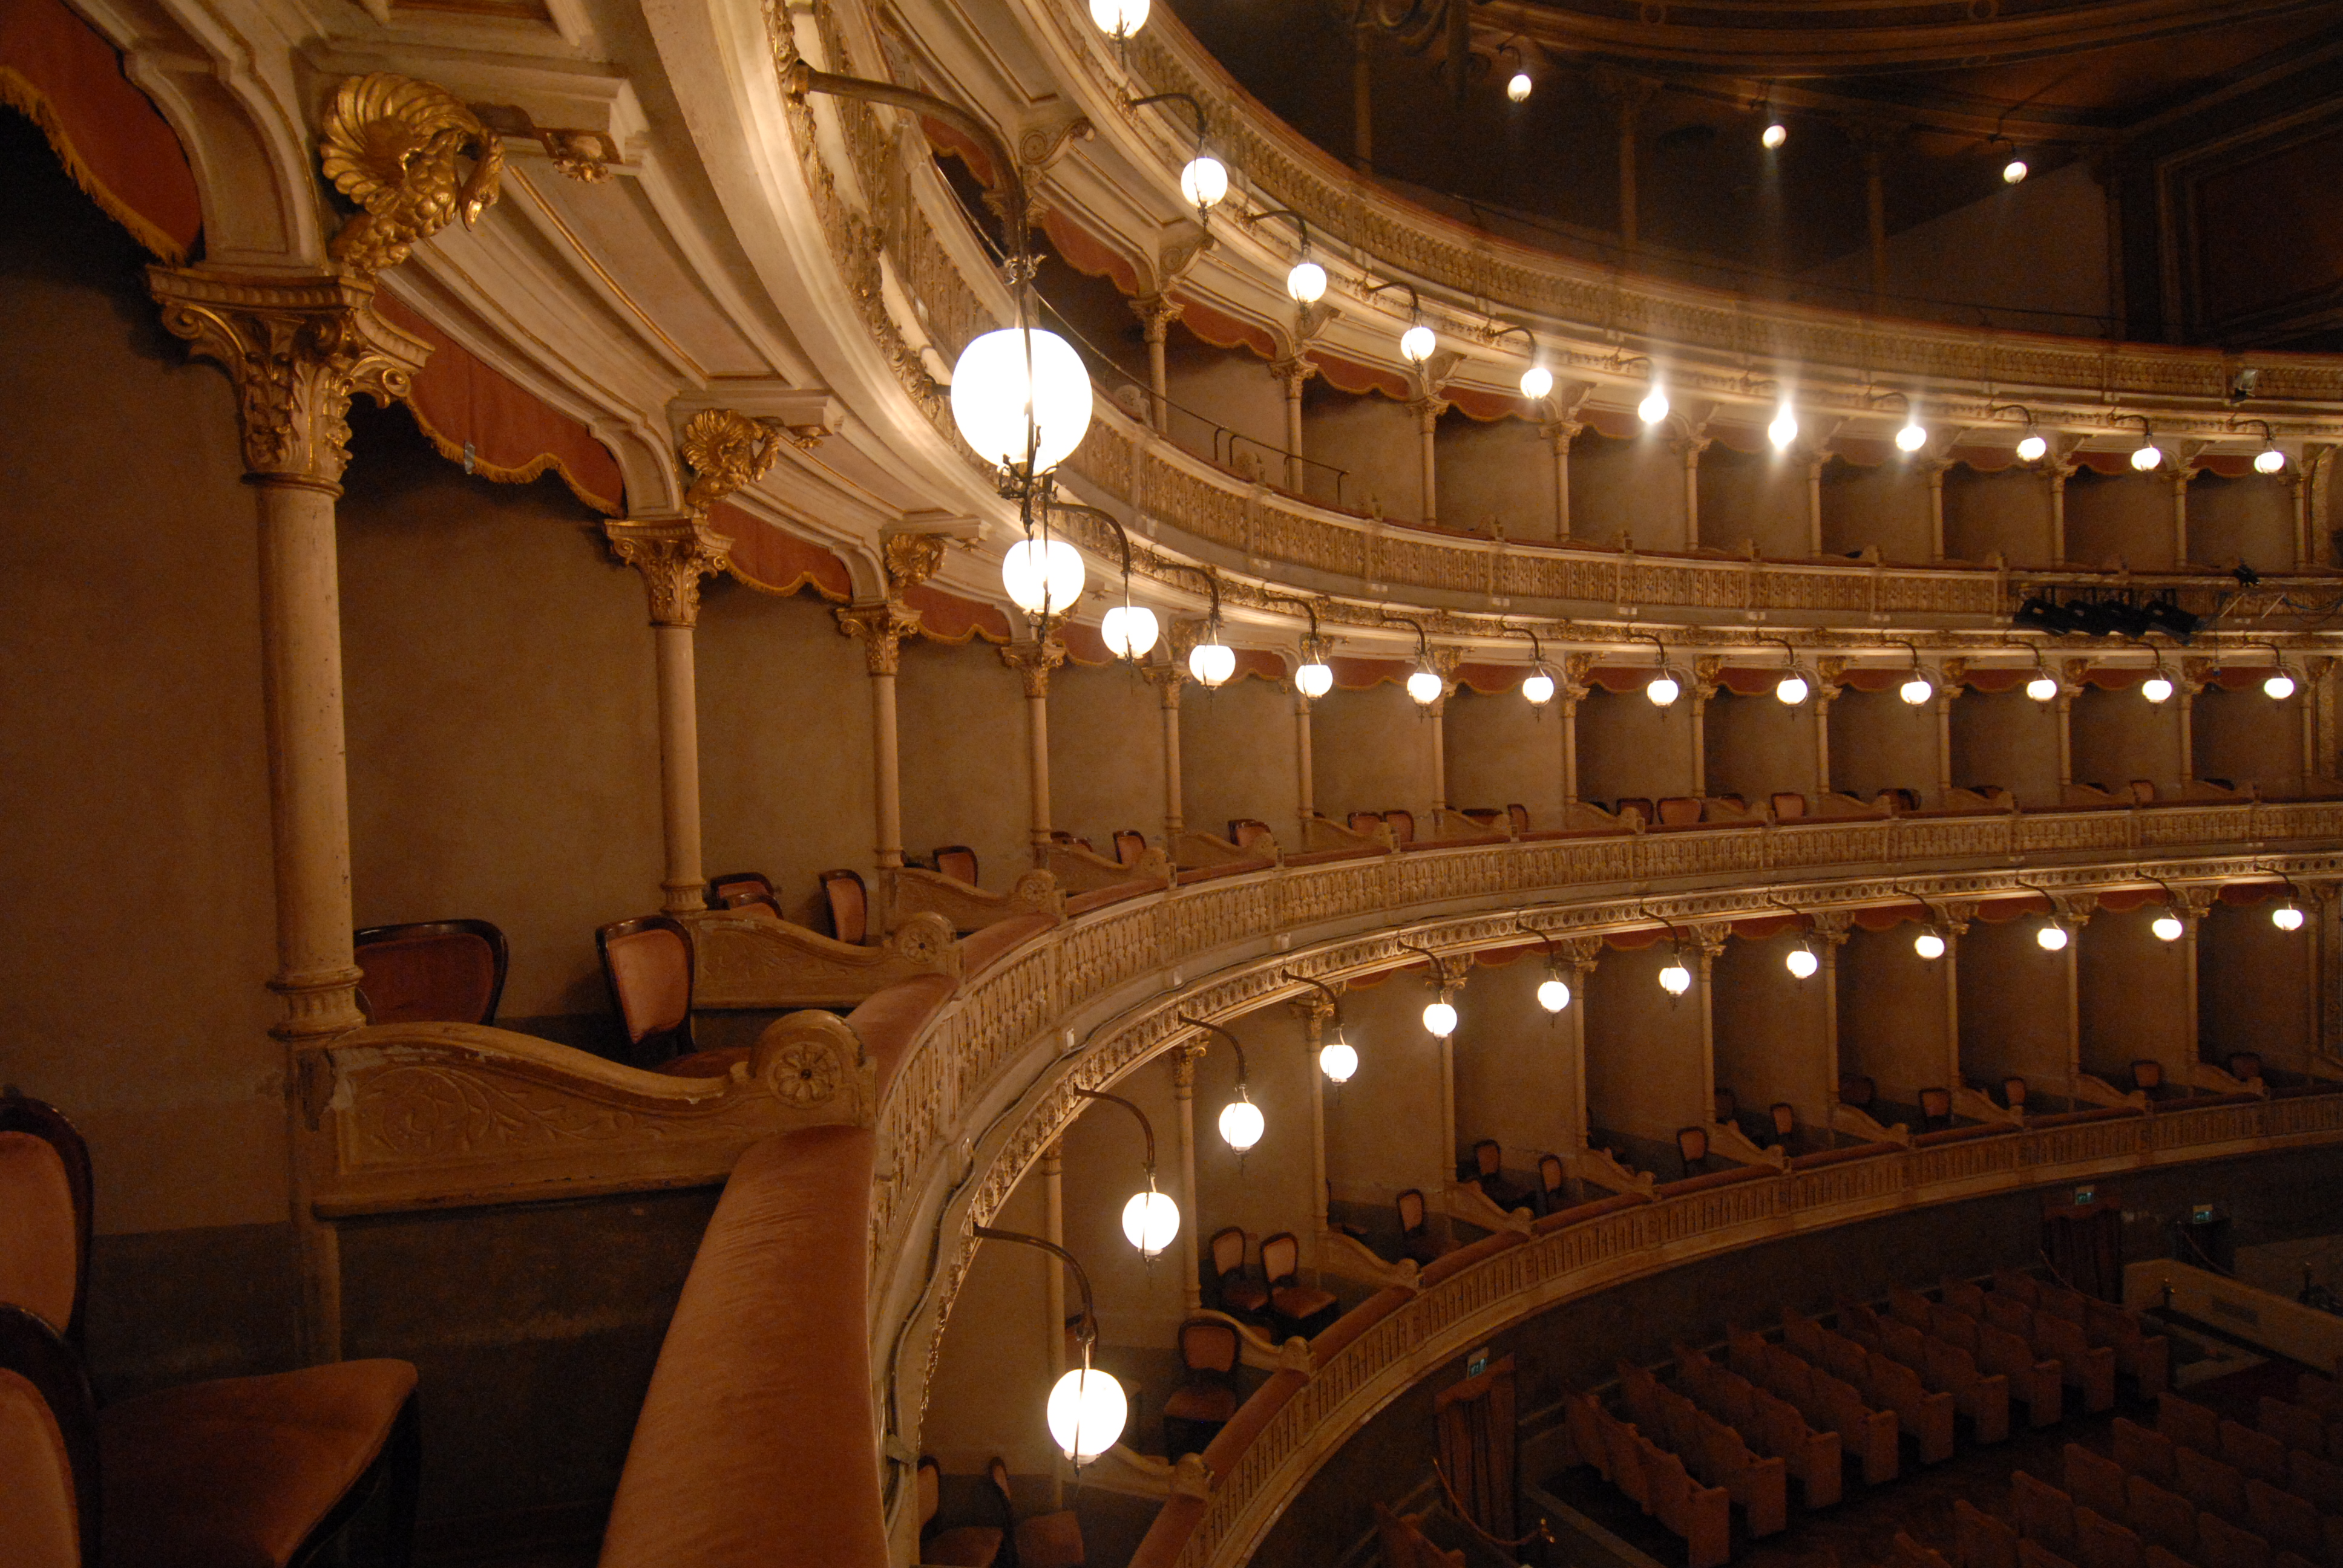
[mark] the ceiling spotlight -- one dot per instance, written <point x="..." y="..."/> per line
<point x="2288" y="916"/>
<point x="1337" y="1060"/>
<point x="1554" y="992"/>
<point x="1204" y="181"/>
<point x="1518" y="90"/>
<point x="2157" y="688"/>
<point x="1129" y="630"/>
<point x="1772" y="137"/>
<point x="2030" y="449"/>
<point x="1801" y="961"/>
<point x="1675" y="980"/>
<point x="1536" y="382"/>
<point x="2167" y="927"/>
<point x="1119" y="18"/>
<point x="1929" y="944"/>
<point x="1306" y="283"/>
<point x="2043" y="688"/>
<point x="2052" y="936"/>
<point x="1315" y="679"/>
<point x="1212" y="661"/>
<point x="2014" y="171"/>
<point x="1440" y="1017"/>
<point x="1784" y="429"/>
<point x="1538" y="687"/>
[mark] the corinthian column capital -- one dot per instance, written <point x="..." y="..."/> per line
<point x="298" y="351"/>
<point x="673" y="554"/>
<point x="1034" y="660"/>
<point x="881" y="626"/>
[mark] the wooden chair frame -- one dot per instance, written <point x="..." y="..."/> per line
<point x="678" y="1038"/>
<point x="501" y="952"/>
<point x="22" y="1113"/>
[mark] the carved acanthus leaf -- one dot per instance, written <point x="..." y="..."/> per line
<point x="726" y="450"/>
<point x="672" y="555"/>
<point x="392" y="144"/>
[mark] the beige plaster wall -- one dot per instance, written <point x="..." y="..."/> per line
<point x="2246" y="737"/>
<point x="2006" y="737"/>
<point x="1268" y="1188"/>
<point x="502" y="714"/>
<point x="1382" y="1131"/>
<point x="135" y="880"/>
<point x="2249" y="520"/>
<point x="2120" y="736"/>
<point x="1755" y="496"/>
<point x="1892" y="1013"/>
<point x="1633" y="487"/>
<point x="2005" y="513"/>
<point x="1647" y="1072"/>
<point x="1232" y="389"/>
<point x="992" y="1377"/>
<point x="1376" y="441"/>
<point x="1883" y="505"/>
<point x="1626" y="747"/>
<point x="2253" y="986"/>
<point x="1772" y="1029"/>
<point x="1516" y="1066"/>
<point x="966" y="756"/>
<point x="1756" y="746"/>
<point x="2132" y="995"/>
<point x="1500" y="750"/>
<point x="1240" y="757"/>
<point x="1139" y="1303"/>
<point x="1500" y="473"/>
<point x="784" y="715"/>
<point x="2122" y="517"/>
<point x="2015" y="1002"/>
<point x="1879" y="741"/>
<point x="1106" y="753"/>
<point x="1370" y="751"/>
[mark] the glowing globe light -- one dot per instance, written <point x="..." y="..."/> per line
<point x="1675" y="980"/>
<point x="1425" y="687"/>
<point x="2156" y="689"/>
<point x="1087" y="1410"/>
<point x="2031" y="449"/>
<point x="2146" y="457"/>
<point x="2052" y="936"/>
<point x="1306" y="283"/>
<point x="1119" y="18"/>
<point x="1129" y="630"/>
<point x="1553" y="993"/>
<point x="1802" y="962"/>
<point x="991" y="398"/>
<point x="1784" y="429"/>
<point x="1913" y="436"/>
<point x="1654" y="406"/>
<point x="1518" y="90"/>
<point x="2269" y="460"/>
<point x="1929" y="945"/>
<point x="1536" y="382"/>
<point x="1538" y="687"/>
<point x="1338" y="1060"/>
<point x="2287" y="916"/>
<point x="1152" y="1222"/>
<point x="1314" y="679"/>
<point x="1417" y="344"/>
<point x="1242" y="1123"/>
<point x="1916" y="691"/>
<point x="1772" y="137"/>
<point x="1663" y="690"/>
<point x="2041" y="688"/>
<point x="2167" y="927"/>
<point x="1439" y="1019"/>
<point x="1791" y="689"/>
<point x="1212" y="663"/>
<point x="1043" y="574"/>
<point x="2279" y="687"/>
<point x="2014" y="171"/>
<point x="1204" y="181"/>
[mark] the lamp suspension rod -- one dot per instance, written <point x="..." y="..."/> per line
<point x="1089" y="1331"/>
<point x="1144" y="1126"/>
<point x="1234" y="1043"/>
<point x="803" y="78"/>
<point x="1203" y="126"/>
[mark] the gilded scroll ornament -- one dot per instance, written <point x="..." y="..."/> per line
<point x="726" y="450"/>
<point x="393" y="145"/>
<point x="912" y="558"/>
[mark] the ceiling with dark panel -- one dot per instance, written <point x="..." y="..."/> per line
<point x="2168" y="99"/>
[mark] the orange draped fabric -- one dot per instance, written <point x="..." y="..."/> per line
<point x="1222" y="330"/>
<point x="2001" y="911"/>
<point x="1993" y="680"/>
<point x="776" y="560"/>
<point x="59" y="74"/>
<point x="948" y="618"/>
<point x="1764" y="928"/>
<point x="1348" y="376"/>
<point x="2126" y="900"/>
<point x="475" y="416"/>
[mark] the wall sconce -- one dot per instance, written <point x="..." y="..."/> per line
<point x="1537" y="687"/>
<point x="1305" y="284"/>
<point x="1654" y="406"/>
<point x="1784" y="430"/>
<point x="1917" y="687"/>
<point x="1313" y="677"/>
<point x="1675" y="976"/>
<point x="1440" y="1018"/>
<point x="1425" y="685"/>
<point x="1337" y="1058"/>
<point x="1801" y="961"/>
<point x="1553" y="991"/>
<point x="1128" y="629"/>
<point x="2031" y="447"/>
<point x="2044" y="686"/>
<point x="1794" y="687"/>
<point x="1242" y="1122"/>
<point x="2287" y="915"/>
<point x="1913" y="434"/>
<point x="2053" y="936"/>
<point x="2281" y="683"/>
<point x="1087" y="1409"/>
<point x="1211" y="661"/>
<point x="2167" y="927"/>
<point x="1663" y="688"/>
<point x="1205" y="179"/>
<point x="2158" y="688"/>
<point x="1151" y="1220"/>
<point x="1417" y="343"/>
<point x="2148" y="457"/>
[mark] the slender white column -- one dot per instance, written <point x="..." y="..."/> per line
<point x="1935" y="470"/>
<point x="1304" y="768"/>
<point x="1166" y="679"/>
<point x="1033" y="661"/>
<point x="679" y="715"/>
<point x="882" y="626"/>
<point x="1156" y="313"/>
<point x="1437" y="717"/>
<point x="1314" y="1010"/>
<point x="1427" y="410"/>
<point x="1559" y="434"/>
<point x="1293" y="374"/>
<point x="1183" y="1097"/>
<point x="2181" y="474"/>
<point x="2060" y="470"/>
<point x="1814" y="504"/>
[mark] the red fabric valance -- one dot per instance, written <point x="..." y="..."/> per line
<point x="1347" y="376"/>
<point x="1086" y="253"/>
<point x="1765" y="927"/>
<point x="2250" y="893"/>
<point x="1994" y="680"/>
<point x="513" y="436"/>
<point x="60" y="75"/>
<point x="1222" y="330"/>
<point x="948" y="618"/>
<point x="777" y="561"/>
<point x="2124" y="900"/>
<point x="2001" y="911"/>
<point x="1887" y="917"/>
<point x="1361" y="674"/>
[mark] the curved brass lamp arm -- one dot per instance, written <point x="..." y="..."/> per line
<point x="1089" y="1330"/>
<point x="1203" y="126"/>
<point x="1234" y="1044"/>
<point x="1422" y="643"/>
<point x="1211" y="585"/>
<point x="1332" y="995"/>
<point x="1439" y="975"/>
<point x="1144" y="1125"/>
<point x="1121" y="536"/>
<point x="1537" y="648"/>
<point x="1300" y="222"/>
<point x="1307" y="608"/>
<point x="803" y="78"/>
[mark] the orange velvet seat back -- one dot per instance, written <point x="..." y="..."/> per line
<point x="650" y="971"/>
<point x="442" y="973"/>
<point x="40" y="1262"/>
<point x="42" y="1518"/>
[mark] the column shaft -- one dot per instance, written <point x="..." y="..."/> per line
<point x="1304" y="768"/>
<point x="1183" y="1096"/>
<point x="1037" y="727"/>
<point x="678" y="720"/>
<point x="887" y="772"/>
<point x="1172" y="825"/>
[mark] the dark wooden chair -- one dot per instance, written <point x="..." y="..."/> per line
<point x="1204" y="1402"/>
<point x="431" y="972"/>
<point x="1414" y="1227"/>
<point x="646" y="964"/>
<point x="850" y="905"/>
<point x="1489" y="1175"/>
<point x="1786" y="1121"/>
<point x="1680" y="811"/>
<point x="1130" y="846"/>
<point x="1519" y="815"/>
<point x="734" y="889"/>
<point x="49" y="1429"/>
<point x="957" y="862"/>
<point x="2142" y="790"/>
<point x="2147" y="1076"/>
<point x="1692" y="1149"/>
<point x="1936" y="1109"/>
<point x="1789" y="806"/>
<point x="1296" y="1307"/>
<point x="2246" y="1065"/>
<point x="1248" y="833"/>
<point x="1240" y="1295"/>
<point x="1401" y="824"/>
<point x="1724" y="1106"/>
<point x="46" y="1198"/>
<point x="1639" y="807"/>
<point x="961" y="1546"/>
<point x="1553" y="1189"/>
<point x="1366" y="822"/>
<point x="2013" y="1092"/>
<point x="1857" y="1089"/>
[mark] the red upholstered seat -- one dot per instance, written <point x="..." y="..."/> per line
<point x="238" y="1472"/>
<point x="40" y="1261"/>
<point x="646" y="964"/>
<point x="957" y="862"/>
<point x="439" y="972"/>
<point x="1238" y="1294"/>
<point x="1130" y="846"/>
<point x="849" y="904"/>
<point x="1297" y="1306"/>
<point x="41" y="1516"/>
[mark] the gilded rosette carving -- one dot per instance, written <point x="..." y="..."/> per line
<point x="297" y="352"/>
<point x="395" y="146"/>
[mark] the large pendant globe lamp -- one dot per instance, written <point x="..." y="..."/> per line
<point x="1087" y="1410"/>
<point x="1242" y="1122"/>
<point x="1150" y="1221"/>
<point x="1021" y="399"/>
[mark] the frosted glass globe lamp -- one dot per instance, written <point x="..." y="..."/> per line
<point x="2288" y="916"/>
<point x="1242" y="1123"/>
<point x="1314" y="679"/>
<point x="1043" y="574"/>
<point x="1337" y="1060"/>
<point x="1554" y="992"/>
<point x="1424" y="685"/>
<point x="1440" y="1019"/>
<point x="1784" y="429"/>
<point x="1001" y="411"/>
<point x="1129" y="631"/>
<point x="1536" y="382"/>
<point x="1675" y="980"/>
<point x="1204" y="181"/>
<point x="1929" y="944"/>
<point x="1150" y="1221"/>
<point x="2279" y="687"/>
<point x="2032" y="449"/>
<point x="2167" y="927"/>
<point x="2156" y="687"/>
<point x="1306" y="283"/>
<point x="1417" y="344"/>
<point x="1212" y="663"/>
<point x="1538" y="687"/>
<point x="1086" y="1413"/>
<point x="1663" y="689"/>
<point x="2052" y="936"/>
<point x="1119" y="18"/>
<point x="1801" y="962"/>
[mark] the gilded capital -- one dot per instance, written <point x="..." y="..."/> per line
<point x="1184" y="1058"/>
<point x="393" y="145"/>
<point x="1156" y="313"/>
<point x="1292" y="372"/>
<point x="297" y="352"/>
<point x="881" y="626"/>
<point x="672" y="555"/>
<point x="1427" y="410"/>
<point x="1034" y="660"/>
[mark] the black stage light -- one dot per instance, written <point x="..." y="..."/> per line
<point x="2166" y="615"/>
<point x="2129" y="620"/>
<point x="2094" y="617"/>
<point x="2040" y="612"/>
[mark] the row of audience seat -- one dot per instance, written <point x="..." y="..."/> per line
<point x="1276" y="1298"/>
